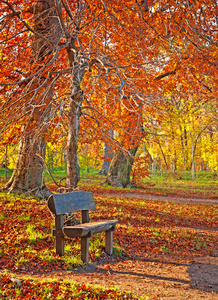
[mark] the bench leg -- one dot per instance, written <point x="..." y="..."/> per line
<point x="85" y="249"/>
<point x="60" y="245"/>
<point x="59" y="223"/>
<point x="109" y="242"/>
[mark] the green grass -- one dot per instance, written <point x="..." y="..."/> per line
<point x="60" y="173"/>
<point x="164" y="183"/>
<point x="34" y="235"/>
<point x="2" y="172"/>
<point x="24" y="217"/>
<point x="203" y="176"/>
<point x="180" y="183"/>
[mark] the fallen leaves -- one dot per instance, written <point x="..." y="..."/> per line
<point x="14" y="288"/>
<point x="26" y="244"/>
<point x="145" y="226"/>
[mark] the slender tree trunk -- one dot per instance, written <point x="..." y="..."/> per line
<point x="73" y="169"/>
<point x="182" y="146"/>
<point x="107" y="157"/>
<point x="193" y="158"/>
<point x="120" y="168"/>
<point x="154" y="167"/>
<point x="175" y="161"/>
<point x="164" y="157"/>
<point x="6" y="160"/>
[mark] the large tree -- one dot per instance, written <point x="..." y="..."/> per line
<point x="36" y="98"/>
<point x="45" y="59"/>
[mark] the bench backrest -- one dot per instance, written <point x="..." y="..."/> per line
<point x="69" y="202"/>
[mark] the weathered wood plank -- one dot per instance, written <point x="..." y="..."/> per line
<point x="70" y="202"/>
<point x="56" y="232"/>
<point x="85" y="249"/>
<point x="85" y="216"/>
<point x="82" y="230"/>
<point x="109" y="242"/>
<point x="59" y="245"/>
<point x="59" y="223"/>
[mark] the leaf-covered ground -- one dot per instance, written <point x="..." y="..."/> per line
<point x="176" y="184"/>
<point x="13" y="288"/>
<point x="156" y="241"/>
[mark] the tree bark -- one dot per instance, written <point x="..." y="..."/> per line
<point x="6" y="160"/>
<point x="73" y="169"/>
<point x="107" y="157"/>
<point x="28" y="172"/>
<point x="27" y="176"/>
<point x="120" y="168"/>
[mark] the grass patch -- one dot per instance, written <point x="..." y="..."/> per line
<point x="2" y="172"/>
<point x="180" y="183"/>
<point x="164" y="183"/>
<point x="33" y="234"/>
<point x="72" y="261"/>
<point x="23" y="217"/>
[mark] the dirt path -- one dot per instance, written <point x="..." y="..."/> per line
<point x="164" y="198"/>
<point x="157" y="277"/>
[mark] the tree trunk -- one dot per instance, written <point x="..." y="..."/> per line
<point x="120" y="168"/>
<point x="154" y="167"/>
<point x="6" y="160"/>
<point x="28" y="173"/>
<point x="73" y="169"/>
<point x="107" y="157"/>
<point x="193" y="159"/>
<point x="164" y="157"/>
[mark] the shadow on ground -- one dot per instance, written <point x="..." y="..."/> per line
<point x="204" y="274"/>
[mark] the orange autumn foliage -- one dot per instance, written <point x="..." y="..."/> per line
<point x="132" y="55"/>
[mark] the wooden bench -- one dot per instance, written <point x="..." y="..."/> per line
<point x="60" y="204"/>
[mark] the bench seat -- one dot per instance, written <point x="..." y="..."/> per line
<point x="87" y="229"/>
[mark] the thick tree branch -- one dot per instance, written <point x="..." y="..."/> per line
<point x="165" y="74"/>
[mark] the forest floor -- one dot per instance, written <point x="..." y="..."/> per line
<point x="165" y="247"/>
<point x="152" y="276"/>
<point x="159" y="276"/>
<point x="165" y="198"/>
